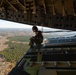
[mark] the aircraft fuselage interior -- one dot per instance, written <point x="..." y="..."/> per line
<point x="58" y="57"/>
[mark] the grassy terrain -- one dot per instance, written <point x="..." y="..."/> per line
<point x="19" y="38"/>
<point x="15" y="51"/>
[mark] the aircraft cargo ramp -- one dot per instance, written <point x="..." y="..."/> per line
<point x="55" y="60"/>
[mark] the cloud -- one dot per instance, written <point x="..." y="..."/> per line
<point x="8" y="24"/>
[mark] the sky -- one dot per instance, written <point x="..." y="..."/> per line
<point x="9" y="24"/>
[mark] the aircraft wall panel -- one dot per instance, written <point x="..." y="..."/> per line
<point x="69" y="7"/>
<point x="23" y="17"/>
<point x="2" y="16"/>
<point x="58" y="7"/>
<point x="10" y="15"/>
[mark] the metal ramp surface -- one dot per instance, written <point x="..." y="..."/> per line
<point x="50" y="58"/>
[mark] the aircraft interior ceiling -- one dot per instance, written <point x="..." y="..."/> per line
<point x="59" y="14"/>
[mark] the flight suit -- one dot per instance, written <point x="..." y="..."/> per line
<point x="37" y="39"/>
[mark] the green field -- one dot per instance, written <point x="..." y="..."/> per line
<point x="15" y="51"/>
<point x="19" y="38"/>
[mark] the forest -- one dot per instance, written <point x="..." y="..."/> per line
<point x="15" y="51"/>
<point x="19" y="38"/>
